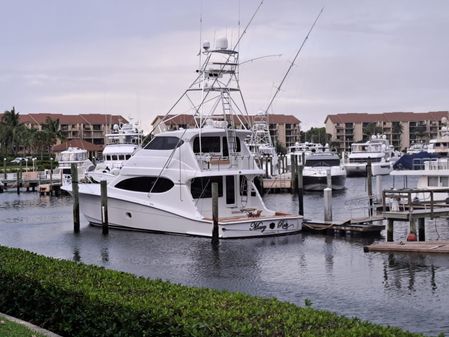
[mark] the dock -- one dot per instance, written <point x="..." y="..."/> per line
<point x="431" y="247"/>
<point x="361" y="226"/>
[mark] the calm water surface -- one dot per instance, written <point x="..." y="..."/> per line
<point x="405" y="290"/>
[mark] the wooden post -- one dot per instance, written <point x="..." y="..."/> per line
<point x="300" y="185"/>
<point x="390" y="230"/>
<point x="327" y="204"/>
<point x="104" y="207"/>
<point x="379" y="188"/>
<point x="18" y="181"/>
<point x="4" y="169"/>
<point x="294" y="181"/>
<point x="51" y="176"/>
<point x="412" y="226"/>
<point x="369" y="177"/>
<point x="76" y="202"/>
<point x="421" y="230"/>
<point x="215" y="213"/>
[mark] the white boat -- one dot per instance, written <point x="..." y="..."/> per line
<point x="417" y="148"/>
<point x="433" y="174"/>
<point x="299" y="148"/>
<point x="440" y="145"/>
<point x="166" y="186"/>
<point x="122" y="143"/>
<point x="377" y="150"/>
<point x="318" y="165"/>
<point x="73" y="155"/>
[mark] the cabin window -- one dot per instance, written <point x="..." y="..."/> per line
<point x="208" y="145"/>
<point x="202" y="187"/>
<point x="108" y="157"/>
<point x="432" y="181"/>
<point x="230" y="190"/>
<point x="121" y="157"/>
<point x="164" y="143"/>
<point x="146" y="184"/>
<point x="114" y="157"/>
<point x="128" y="156"/>
<point x="444" y="181"/>
<point x="225" y="145"/>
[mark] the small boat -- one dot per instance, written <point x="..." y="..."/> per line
<point x="122" y="143"/>
<point x="167" y="185"/>
<point x="378" y="151"/>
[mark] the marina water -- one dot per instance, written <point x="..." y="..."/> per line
<point x="410" y="291"/>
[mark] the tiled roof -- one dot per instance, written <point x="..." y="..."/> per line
<point x="387" y="117"/>
<point x="189" y="120"/>
<point x="82" y="144"/>
<point x="41" y="118"/>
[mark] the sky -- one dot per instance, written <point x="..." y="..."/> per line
<point x="136" y="57"/>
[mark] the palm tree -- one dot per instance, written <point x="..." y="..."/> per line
<point x="52" y="130"/>
<point x="10" y="130"/>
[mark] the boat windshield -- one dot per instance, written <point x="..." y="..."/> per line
<point x="164" y="143"/>
<point x="322" y="162"/>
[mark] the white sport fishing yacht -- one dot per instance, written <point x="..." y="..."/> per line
<point x="122" y="143"/>
<point x="378" y="150"/>
<point x="166" y="186"/>
<point x="440" y="145"/>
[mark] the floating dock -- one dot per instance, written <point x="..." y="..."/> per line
<point x="362" y="226"/>
<point x="431" y="247"/>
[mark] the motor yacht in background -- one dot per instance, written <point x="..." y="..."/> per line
<point x="440" y="145"/>
<point x="73" y="155"/>
<point x="167" y="185"/>
<point x="122" y="143"/>
<point x="377" y="150"/>
<point x="320" y="164"/>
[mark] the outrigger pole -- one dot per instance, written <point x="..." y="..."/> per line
<point x="278" y="89"/>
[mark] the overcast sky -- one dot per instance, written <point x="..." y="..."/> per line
<point x="136" y="57"/>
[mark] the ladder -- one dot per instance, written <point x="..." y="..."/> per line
<point x="230" y="129"/>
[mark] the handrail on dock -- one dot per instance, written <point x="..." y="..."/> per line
<point x="412" y="201"/>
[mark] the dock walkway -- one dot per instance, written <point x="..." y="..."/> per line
<point x="433" y="247"/>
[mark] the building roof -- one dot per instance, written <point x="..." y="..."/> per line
<point x="387" y="117"/>
<point x="189" y="119"/>
<point x="82" y="144"/>
<point x="41" y="118"/>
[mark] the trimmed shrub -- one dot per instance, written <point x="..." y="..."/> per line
<point x="74" y="299"/>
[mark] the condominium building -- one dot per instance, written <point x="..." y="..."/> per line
<point x="401" y="128"/>
<point x="284" y="129"/>
<point x="88" y="127"/>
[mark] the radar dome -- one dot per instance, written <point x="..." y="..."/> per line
<point x="222" y="43"/>
<point x="206" y="45"/>
<point x="115" y="127"/>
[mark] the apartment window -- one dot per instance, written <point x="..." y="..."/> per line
<point x="97" y="127"/>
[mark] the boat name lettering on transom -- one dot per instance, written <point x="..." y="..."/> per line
<point x="284" y="224"/>
<point x="257" y="225"/>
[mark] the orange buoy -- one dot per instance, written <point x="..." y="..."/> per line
<point x="411" y="236"/>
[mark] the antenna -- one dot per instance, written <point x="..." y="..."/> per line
<point x="201" y="33"/>
<point x="294" y="60"/>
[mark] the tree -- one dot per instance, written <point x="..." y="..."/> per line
<point x="11" y="128"/>
<point x="52" y="132"/>
<point x="371" y="129"/>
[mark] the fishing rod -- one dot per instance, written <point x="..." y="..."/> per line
<point x="278" y="89"/>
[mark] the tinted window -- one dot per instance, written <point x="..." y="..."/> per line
<point x="225" y="145"/>
<point x="230" y="191"/>
<point x="208" y="144"/>
<point x="202" y="187"/>
<point x="164" y="143"/>
<point x="145" y="184"/>
<point x="326" y="162"/>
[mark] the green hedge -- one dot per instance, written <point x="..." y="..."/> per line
<point x="74" y="299"/>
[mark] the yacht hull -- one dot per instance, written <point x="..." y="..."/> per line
<point x="130" y="215"/>
<point x="319" y="183"/>
<point x="359" y="169"/>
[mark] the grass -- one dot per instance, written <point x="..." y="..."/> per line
<point x="12" y="329"/>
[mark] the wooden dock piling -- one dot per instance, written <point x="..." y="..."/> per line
<point x="215" y="213"/>
<point x="104" y="207"/>
<point x="76" y="202"/>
